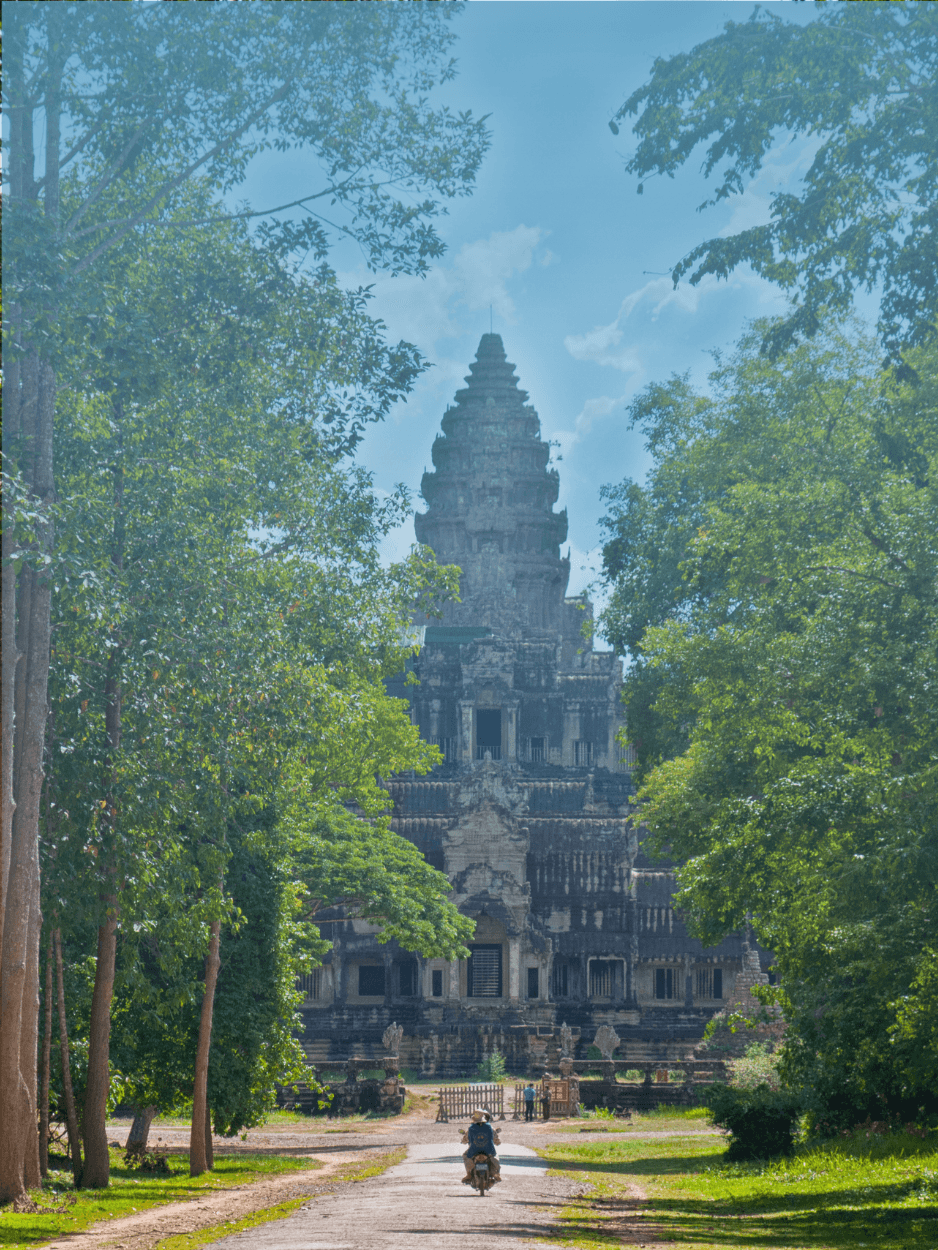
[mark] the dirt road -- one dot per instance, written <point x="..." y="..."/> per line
<point x="422" y="1200"/>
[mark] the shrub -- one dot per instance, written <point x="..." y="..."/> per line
<point x="492" y="1067"/>
<point x="758" y="1066"/>
<point x="760" y="1121"/>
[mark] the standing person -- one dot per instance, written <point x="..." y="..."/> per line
<point x="546" y="1087"/>
<point x="530" y="1094"/>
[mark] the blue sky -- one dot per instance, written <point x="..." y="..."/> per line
<point x="556" y="239"/>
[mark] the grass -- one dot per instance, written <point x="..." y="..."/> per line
<point x="880" y="1193"/>
<point x="130" y="1191"/>
<point x="205" y="1236"/>
<point x="659" y="1119"/>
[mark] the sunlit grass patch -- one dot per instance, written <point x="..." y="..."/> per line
<point x="131" y="1191"/>
<point x="880" y="1193"/>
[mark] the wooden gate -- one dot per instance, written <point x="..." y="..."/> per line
<point x="459" y="1101"/>
<point x="562" y="1094"/>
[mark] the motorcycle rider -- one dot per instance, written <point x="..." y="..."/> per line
<point x="482" y="1139"/>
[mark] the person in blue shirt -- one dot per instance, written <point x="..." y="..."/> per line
<point x="482" y="1140"/>
<point x="530" y="1094"/>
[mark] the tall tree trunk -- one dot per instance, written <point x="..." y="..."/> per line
<point x="201" y="1129"/>
<point x="46" y="1066"/>
<point x="27" y="610"/>
<point x="29" y="1045"/>
<point x="97" y="1170"/>
<point x="71" y="1116"/>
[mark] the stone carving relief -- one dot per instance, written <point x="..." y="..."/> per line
<point x="566" y="1041"/>
<point x="606" y="1041"/>
<point x="392" y="1038"/>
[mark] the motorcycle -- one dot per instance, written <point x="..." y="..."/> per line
<point x="480" y="1177"/>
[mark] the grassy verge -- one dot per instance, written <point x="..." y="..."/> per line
<point x="205" y="1236"/>
<point x="880" y="1193"/>
<point x="661" y="1119"/>
<point x="130" y="1191"/>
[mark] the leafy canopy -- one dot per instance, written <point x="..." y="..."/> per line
<point x="778" y="588"/>
<point x="859" y="82"/>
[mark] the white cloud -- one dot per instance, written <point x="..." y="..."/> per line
<point x="592" y="410"/>
<point x="425" y="310"/>
<point x="603" y="345"/>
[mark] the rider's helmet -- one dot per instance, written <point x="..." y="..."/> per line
<point x="481" y="1114"/>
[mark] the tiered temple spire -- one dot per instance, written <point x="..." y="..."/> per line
<point x="490" y="503"/>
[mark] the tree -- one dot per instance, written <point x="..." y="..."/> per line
<point x="292" y="859"/>
<point x="859" y="81"/>
<point x="196" y="400"/>
<point x="136" y="102"/>
<point x="793" y="667"/>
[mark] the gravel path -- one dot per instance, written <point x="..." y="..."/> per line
<point x="422" y="1201"/>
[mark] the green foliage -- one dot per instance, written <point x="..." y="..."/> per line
<point x="791" y="679"/>
<point x="857" y="82"/>
<point x="915" y="1032"/>
<point x="760" y="1120"/>
<point x="492" y="1068"/>
<point x="758" y="1066"/>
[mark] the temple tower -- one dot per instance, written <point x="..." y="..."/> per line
<point x="490" y="504"/>
<point x="530" y="812"/>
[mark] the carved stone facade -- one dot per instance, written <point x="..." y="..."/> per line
<point x="532" y="813"/>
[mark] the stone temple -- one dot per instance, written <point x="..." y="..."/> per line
<point x="532" y="814"/>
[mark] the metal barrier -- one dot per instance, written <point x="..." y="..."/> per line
<point x="459" y="1101"/>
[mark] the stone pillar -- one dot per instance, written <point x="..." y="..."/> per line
<point x="514" y="968"/>
<point x="338" y="977"/>
<point x="511" y="733"/>
<point x="464" y="748"/>
<point x="388" y="973"/>
<point x="453" y="986"/>
<point x="688" y="983"/>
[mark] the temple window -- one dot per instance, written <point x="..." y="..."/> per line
<point x="536" y="750"/>
<point x="311" y="985"/>
<point x="664" y="983"/>
<point x="436" y="983"/>
<point x="533" y="980"/>
<point x="582" y="754"/>
<point x="371" y="981"/>
<point x="605" y="978"/>
<point x="489" y="732"/>
<point x="447" y="748"/>
<point x="405" y="977"/>
<point x="485" y="971"/>
<point x="709" y="983"/>
<point x="560" y="980"/>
